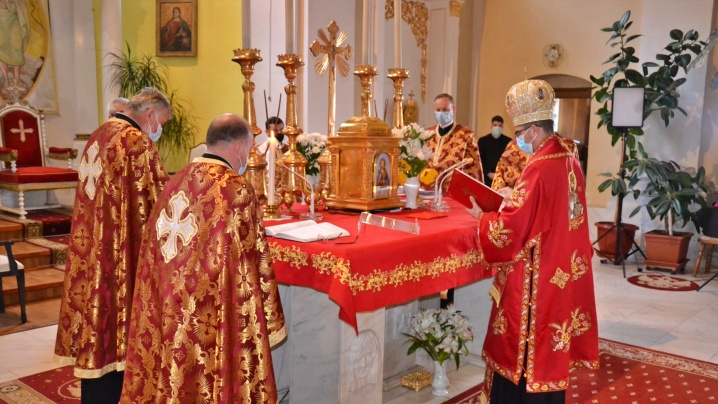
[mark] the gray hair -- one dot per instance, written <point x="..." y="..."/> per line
<point x="229" y="128"/>
<point x="116" y="105"/>
<point x="149" y="97"/>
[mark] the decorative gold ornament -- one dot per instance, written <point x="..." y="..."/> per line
<point x="398" y="75"/>
<point x="256" y="164"/>
<point x="417" y="379"/>
<point x="411" y="110"/>
<point x="329" y="49"/>
<point x="416" y="14"/>
<point x="552" y="54"/>
<point x="292" y="185"/>
<point x="365" y="158"/>
<point x="455" y="7"/>
<point x="530" y="101"/>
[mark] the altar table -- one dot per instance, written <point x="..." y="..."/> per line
<point x="375" y="286"/>
<point x="383" y="267"/>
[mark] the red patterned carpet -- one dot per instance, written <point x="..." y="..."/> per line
<point x="53" y="386"/>
<point x="53" y="223"/>
<point x="630" y="374"/>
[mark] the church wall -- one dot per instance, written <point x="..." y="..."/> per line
<point x="515" y="34"/>
<point x="708" y="149"/>
<point x="211" y="81"/>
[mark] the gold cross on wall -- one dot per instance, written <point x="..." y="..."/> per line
<point x="22" y="131"/>
<point x="330" y="48"/>
<point x="185" y="228"/>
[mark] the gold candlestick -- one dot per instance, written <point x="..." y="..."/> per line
<point x="256" y="164"/>
<point x="398" y="75"/>
<point x="293" y="160"/>
<point x="366" y="74"/>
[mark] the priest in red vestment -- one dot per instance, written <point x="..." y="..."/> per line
<point x="206" y="308"/>
<point x="543" y="320"/>
<point x="452" y="143"/>
<point x="121" y="177"/>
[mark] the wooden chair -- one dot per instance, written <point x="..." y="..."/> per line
<point x="23" y="148"/>
<point x="707" y="243"/>
<point x="10" y="267"/>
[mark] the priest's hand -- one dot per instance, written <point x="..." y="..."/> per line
<point x="506" y="192"/>
<point x="475" y="209"/>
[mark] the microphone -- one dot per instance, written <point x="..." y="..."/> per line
<point x="439" y="183"/>
<point x="311" y="215"/>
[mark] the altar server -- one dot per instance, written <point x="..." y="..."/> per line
<point x="543" y="320"/>
<point x="206" y="305"/>
<point x="121" y="177"/>
<point x="452" y="142"/>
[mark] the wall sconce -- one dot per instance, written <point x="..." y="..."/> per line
<point x="552" y="54"/>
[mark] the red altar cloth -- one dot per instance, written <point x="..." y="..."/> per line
<point x="384" y="267"/>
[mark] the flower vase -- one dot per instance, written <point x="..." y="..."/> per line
<point x="441" y="381"/>
<point x="411" y="190"/>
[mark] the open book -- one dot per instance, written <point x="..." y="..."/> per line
<point x="306" y="231"/>
<point x="462" y="186"/>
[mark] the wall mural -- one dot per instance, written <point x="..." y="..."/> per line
<point x="26" y="54"/>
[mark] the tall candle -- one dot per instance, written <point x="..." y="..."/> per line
<point x="271" y="163"/>
<point x="397" y="33"/>
<point x="290" y="13"/>
<point x="366" y="58"/>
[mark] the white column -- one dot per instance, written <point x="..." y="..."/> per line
<point x="443" y="53"/>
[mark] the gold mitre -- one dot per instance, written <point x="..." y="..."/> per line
<point x="530" y="101"/>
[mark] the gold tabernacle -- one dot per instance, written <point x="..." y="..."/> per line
<point x="417" y="379"/>
<point x="365" y="158"/>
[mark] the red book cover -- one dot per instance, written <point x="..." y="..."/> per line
<point x="462" y="186"/>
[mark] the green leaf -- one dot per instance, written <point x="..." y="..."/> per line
<point x="633" y="213"/>
<point x="625" y="18"/>
<point x="634" y="77"/>
<point x="632" y="37"/>
<point x="676" y="34"/>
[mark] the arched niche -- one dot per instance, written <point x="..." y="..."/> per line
<point x="573" y="110"/>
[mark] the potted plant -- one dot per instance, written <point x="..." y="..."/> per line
<point x="131" y="74"/>
<point x="672" y="192"/>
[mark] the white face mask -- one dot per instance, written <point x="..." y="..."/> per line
<point x="496" y="131"/>
<point x="243" y="168"/>
<point x="155" y="136"/>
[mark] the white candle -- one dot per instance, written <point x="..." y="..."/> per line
<point x="311" y="200"/>
<point x="289" y="24"/>
<point x="271" y="162"/>
<point x="397" y="33"/>
<point x="365" y="33"/>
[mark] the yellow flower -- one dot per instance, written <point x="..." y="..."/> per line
<point x="403" y="168"/>
<point x="428" y="175"/>
<point x="402" y="178"/>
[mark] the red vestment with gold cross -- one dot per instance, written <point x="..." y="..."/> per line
<point x="458" y="144"/>
<point x="121" y="177"/>
<point x="206" y="308"/>
<point x="543" y="320"/>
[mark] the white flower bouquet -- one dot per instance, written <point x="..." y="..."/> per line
<point x="311" y="145"/>
<point x="441" y="333"/>
<point x="415" y="153"/>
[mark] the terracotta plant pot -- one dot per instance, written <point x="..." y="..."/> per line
<point x="607" y="243"/>
<point x="668" y="252"/>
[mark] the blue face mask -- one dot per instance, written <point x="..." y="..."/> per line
<point x="244" y="167"/>
<point x="443" y="117"/>
<point x="525" y="147"/>
<point x="155" y="136"/>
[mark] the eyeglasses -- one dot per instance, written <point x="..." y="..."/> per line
<point x="519" y="132"/>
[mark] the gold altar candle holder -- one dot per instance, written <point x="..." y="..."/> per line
<point x="398" y="75"/>
<point x="292" y="184"/>
<point x="366" y="75"/>
<point x="256" y="164"/>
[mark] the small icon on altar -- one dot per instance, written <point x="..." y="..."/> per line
<point x="382" y="176"/>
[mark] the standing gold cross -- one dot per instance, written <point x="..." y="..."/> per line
<point x="330" y="49"/>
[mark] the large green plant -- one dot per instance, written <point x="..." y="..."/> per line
<point x="673" y="193"/>
<point x="133" y="73"/>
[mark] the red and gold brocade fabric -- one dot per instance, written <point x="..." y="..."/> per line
<point x="206" y="307"/>
<point x="121" y="177"/>
<point x="544" y="311"/>
<point x="383" y="267"/>
<point x="512" y="163"/>
<point x="510" y="166"/>
<point x="458" y="144"/>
